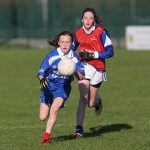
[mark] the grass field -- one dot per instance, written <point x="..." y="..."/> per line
<point x="123" y="125"/>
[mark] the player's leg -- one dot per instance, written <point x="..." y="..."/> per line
<point x="44" y="105"/>
<point x="53" y="112"/>
<point x="98" y="106"/>
<point x="84" y="89"/>
<point x="95" y="84"/>
<point x="93" y="96"/>
<point x="84" y="93"/>
<point x="95" y="100"/>
<point x="44" y="111"/>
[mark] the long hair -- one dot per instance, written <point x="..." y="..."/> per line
<point x="54" y="42"/>
<point x="97" y="19"/>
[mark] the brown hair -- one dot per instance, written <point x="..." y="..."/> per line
<point x="96" y="17"/>
<point x="54" y="42"/>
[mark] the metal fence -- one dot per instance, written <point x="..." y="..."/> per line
<point x="46" y="18"/>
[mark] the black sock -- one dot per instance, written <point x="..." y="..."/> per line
<point x="79" y="129"/>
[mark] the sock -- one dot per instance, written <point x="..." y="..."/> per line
<point x="46" y="136"/>
<point x="96" y="102"/>
<point x="79" y="129"/>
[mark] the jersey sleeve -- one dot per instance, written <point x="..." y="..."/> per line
<point x="75" y="44"/>
<point x="107" y="43"/>
<point x="79" y="66"/>
<point x="44" y="67"/>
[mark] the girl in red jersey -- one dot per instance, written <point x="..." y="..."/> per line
<point x="95" y="46"/>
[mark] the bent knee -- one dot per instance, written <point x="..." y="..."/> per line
<point x="42" y="118"/>
<point x="54" y="112"/>
<point x="90" y="106"/>
<point x="84" y="99"/>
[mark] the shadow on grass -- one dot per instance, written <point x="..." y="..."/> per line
<point x="98" y="131"/>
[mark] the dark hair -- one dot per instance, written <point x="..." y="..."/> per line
<point x="54" y="42"/>
<point x="96" y="17"/>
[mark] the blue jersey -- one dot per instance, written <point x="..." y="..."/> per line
<point x="49" y="70"/>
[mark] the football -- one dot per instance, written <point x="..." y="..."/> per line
<point x="66" y="67"/>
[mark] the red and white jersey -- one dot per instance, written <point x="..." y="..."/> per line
<point x="98" y="40"/>
<point x="91" y="42"/>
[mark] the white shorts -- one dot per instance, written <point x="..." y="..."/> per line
<point x="95" y="76"/>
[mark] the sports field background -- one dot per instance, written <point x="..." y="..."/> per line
<point x="46" y="18"/>
<point x="123" y="125"/>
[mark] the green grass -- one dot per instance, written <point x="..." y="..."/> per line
<point x="123" y="125"/>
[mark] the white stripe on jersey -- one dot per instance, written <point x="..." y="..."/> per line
<point x="52" y="59"/>
<point x="107" y="41"/>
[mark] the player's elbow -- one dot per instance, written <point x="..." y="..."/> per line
<point x="79" y="75"/>
<point x="110" y="51"/>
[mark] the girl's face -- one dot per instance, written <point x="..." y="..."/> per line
<point x="65" y="43"/>
<point x="88" y="20"/>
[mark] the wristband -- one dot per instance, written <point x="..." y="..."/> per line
<point x="96" y="55"/>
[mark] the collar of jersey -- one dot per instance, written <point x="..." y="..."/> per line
<point x="61" y="54"/>
<point x="92" y="29"/>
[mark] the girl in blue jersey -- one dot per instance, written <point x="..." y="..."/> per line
<point x="55" y="88"/>
<point x="95" y="46"/>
